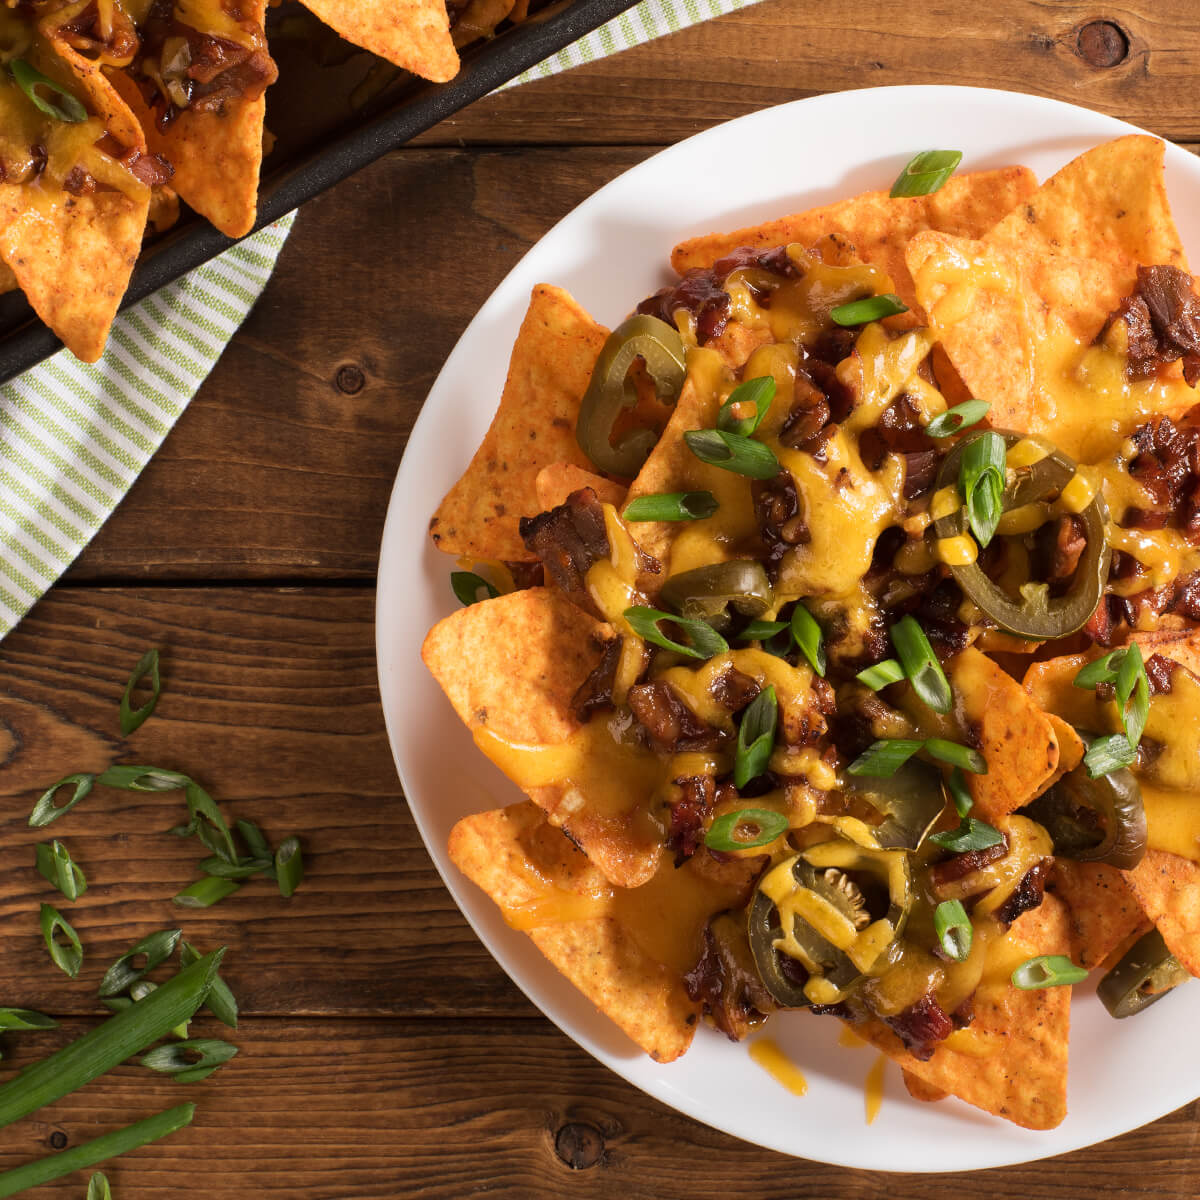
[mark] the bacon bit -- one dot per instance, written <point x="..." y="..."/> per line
<point x="79" y="182"/>
<point x="781" y="524"/>
<point x="1158" y="674"/>
<point x="921" y="1026"/>
<point x="688" y="814"/>
<point x="734" y="689"/>
<point x="1070" y="541"/>
<point x="962" y="865"/>
<point x="1027" y="895"/>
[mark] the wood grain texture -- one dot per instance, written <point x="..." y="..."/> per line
<point x="443" y="1110"/>
<point x="783" y="50"/>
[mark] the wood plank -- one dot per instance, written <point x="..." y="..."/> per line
<point x="270" y="700"/>
<point x="282" y="466"/>
<point x="783" y="50"/>
<point x="357" y="1110"/>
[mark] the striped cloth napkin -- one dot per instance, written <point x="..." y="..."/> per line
<point x="74" y="437"/>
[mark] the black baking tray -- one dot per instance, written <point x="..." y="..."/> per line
<point x="334" y="110"/>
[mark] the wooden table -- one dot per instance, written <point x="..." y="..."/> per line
<point x="383" y="1053"/>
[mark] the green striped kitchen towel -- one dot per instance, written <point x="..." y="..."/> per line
<point x="74" y="436"/>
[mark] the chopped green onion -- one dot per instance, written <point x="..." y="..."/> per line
<point x="204" y="893"/>
<point x="1107" y="754"/>
<point x="745" y="829"/>
<point x="881" y="674"/>
<point x="189" y="1061"/>
<point x="1131" y="682"/>
<point x="99" y="1150"/>
<point x="884" y="758"/>
<point x="45" y="810"/>
<point x="959" y="793"/>
<point x="289" y="866"/>
<point x="955" y="420"/>
<point x="921" y="665"/>
<point x="69" y="957"/>
<point x="873" y="308"/>
<point x="59" y="103"/>
<point x="467" y="586"/>
<point x="244" y="868"/>
<point x="981" y="484"/>
<point x="808" y="636"/>
<point x="204" y="818"/>
<point x="1102" y="670"/>
<point x="756" y="737"/>
<point x="965" y="757"/>
<point x="132" y="718"/>
<point x="143" y="779"/>
<point x="256" y="843"/>
<point x="139" y="992"/>
<point x="671" y="506"/>
<point x="953" y="928"/>
<point x="761" y="631"/>
<point x="758" y="392"/>
<point x="703" y="640"/>
<point x="220" y="1001"/>
<point x="1047" y="970"/>
<point x="732" y="452"/>
<point x="98" y="1188"/>
<point x="155" y="948"/>
<point x="18" y="1019"/>
<point x="971" y="834"/>
<point x="55" y="865"/>
<point x="926" y="172"/>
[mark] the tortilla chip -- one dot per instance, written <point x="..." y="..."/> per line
<point x="556" y="481"/>
<point x="1014" y="735"/>
<point x="1181" y="646"/>
<point x="878" y="226"/>
<point x="918" y="1089"/>
<point x="626" y="951"/>
<point x="1024" y="1078"/>
<point x="413" y="34"/>
<point x="1101" y="907"/>
<point x="1168" y="889"/>
<point x="8" y="281"/>
<point x="510" y="666"/>
<point x="548" y="373"/>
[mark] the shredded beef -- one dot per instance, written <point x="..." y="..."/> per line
<point x="1026" y="895"/>
<point x="781" y="524"/>
<point x="672" y="726"/>
<point x="734" y="689"/>
<point x="697" y="794"/>
<point x="921" y="1026"/>
<point x="569" y="539"/>
<point x="725" y="981"/>
<point x="1162" y="319"/>
<point x="595" y="693"/>
<point x="962" y="865"/>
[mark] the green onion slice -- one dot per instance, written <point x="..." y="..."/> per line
<point x="244" y="868"/>
<point x="189" y="1061"/>
<point x="220" y="1001"/>
<point x="205" y="816"/>
<point x="971" y="834"/>
<point x="808" y="636"/>
<point x="761" y="631"/>
<point x="953" y="928"/>
<point x="671" y="506"/>
<point x="1047" y="970"/>
<point x="703" y="640"/>
<point x="1107" y="754"/>
<point x="99" y="1150"/>
<point x="47" y="96"/>
<point x="124" y="973"/>
<point x="758" y="392"/>
<point x="955" y="420"/>
<point x="55" y="865"/>
<point x="921" y="665"/>
<point x="22" y="1019"/>
<point x="959" y="793"/>
<point x="885" y="757"/>
<point x="965" y="757"/>
<point x="881" y="674"/>
<point x="745" y="829"/>
<point x="756" y="737"/>
<point x="981" y="484"/>
<point x="132" y="718"/>
<point x="98" y="1188"/>
<point x="872" y="308"/>
<point x="256" y="843"/>
<point x="204" y="893"/>
<point x="45" y="810"/>
<point x="143" y="779"/>
<point x="733" y="452"/>
<point x="1102" y="670"/>
<point x="926" y="172"/>
<point x="1132" y="686"/>
<point x="68" y="956"/>
<point x="467" y="586"/>
<point x="289" y="866"/>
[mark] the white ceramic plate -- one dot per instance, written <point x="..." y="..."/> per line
<point x="610" y="252"/>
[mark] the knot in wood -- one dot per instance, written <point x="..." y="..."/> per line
<point x="1102" y="44"/>
<point x="350" y="379"/>
<point x="579" y="1145"/>
<point x="58" y="1140"/>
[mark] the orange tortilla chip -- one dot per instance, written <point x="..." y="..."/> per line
<point x="510" y="666"/>
<point x="877" y="225"/>
<point x="1168" y="889"/>
<point x="534" y="426"/>
<point x="8" y="281"/>
<point x="1014" y="1060"/>
<point x="918" y="1089"/>
<point x="1102" y="909"/>
<point x="626" y="951"/>
<point x="413" y="34"/>
<point x="556" y="481"/>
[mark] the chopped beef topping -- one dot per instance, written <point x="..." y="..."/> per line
<point x="725" y="981"/>
<point x="698" y="293"/>
<point x="595" y="693"/>
<point x="1158" y="674"/>
<point x="921" y="1026"/>
<point x="962" y="865"/>
<point x="936" y="607"/>
<point x="1162" y="319"/>
<point x="79" y="182"/>
<point x="697" y="794"/>
<point x="1070" y="541"/>
<point x="734" y="689"/>
<point x="1116" y="616"/>
<point x="672" y="726"/>
<point x="781" y="524"/>
<point x="1167" y="465"/>
<point x="569" y="539"/>
<point x="1026" y="895"/>
<point x="526" y="574"/>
